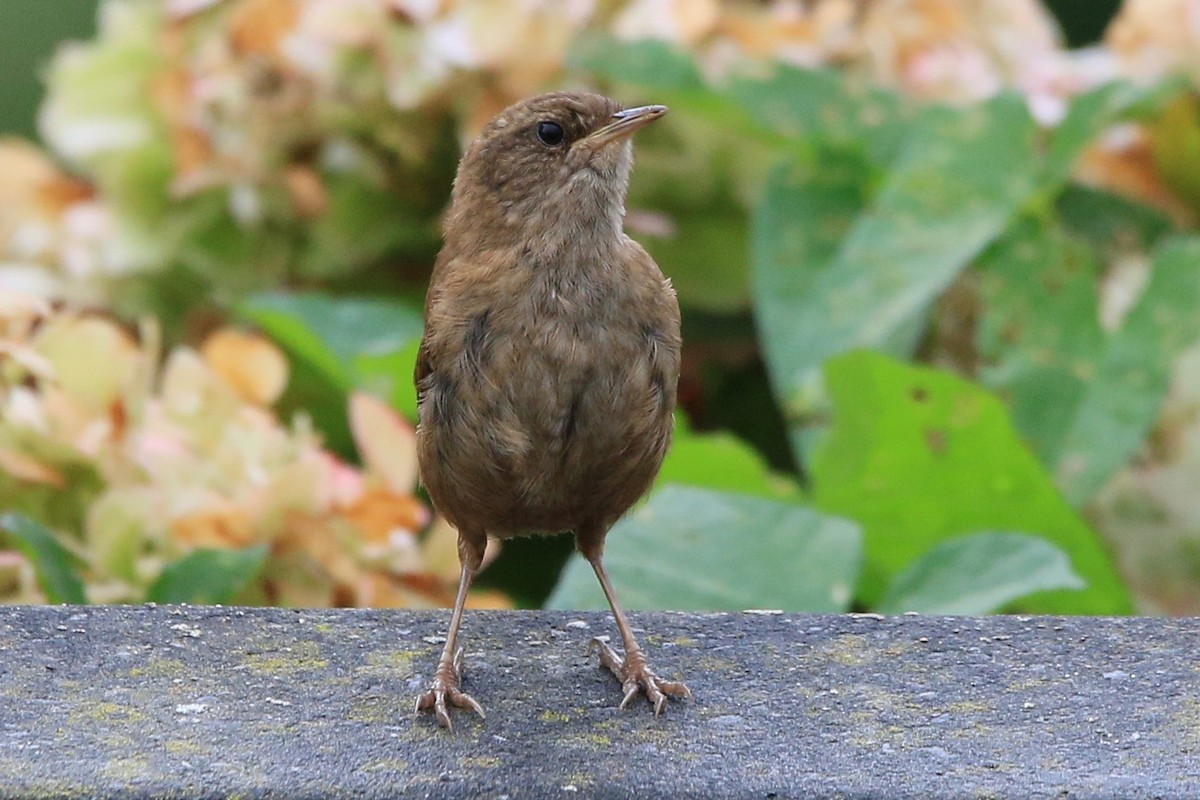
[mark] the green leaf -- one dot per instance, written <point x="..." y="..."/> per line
<point x="979" y="574"/>
<point x="918" y="456"/>
<point x="223" y="252"/>
<point x="398" y="367"/>
<point x="724" y="462"/>
<point x="646" y="62"/>
<point x="700" y="550"/>
<point x="362" y="224"/>
<point x="1110" y="223"/>
<point x="330" y="332"/>
<point x="953" y="188"/>
<point x="55" y="573"/>
<point x="1132" y="373"/>
<point x="706" y="256"/>
<point x="206" y="577"/>
<point x="806" y="212"/>
<point x="1088" y="115"/>
<point x="338" y="344"/>
<point x="1085" y="399"/>
<point x="824" y="105"/>
<point x="735" y="129"/>
<point x="1038" y="330"/>
<point x="791" y="106"/>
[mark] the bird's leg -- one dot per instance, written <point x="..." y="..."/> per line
<point x="449" y="672"/>
<point x="632" y="671"/>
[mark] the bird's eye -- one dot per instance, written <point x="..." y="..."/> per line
<point x="550" y="133"/>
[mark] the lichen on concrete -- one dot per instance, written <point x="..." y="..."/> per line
<point x="217" y="702"/>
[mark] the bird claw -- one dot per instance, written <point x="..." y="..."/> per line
<point x="443" y="690"/>
<point x="636" y="676"/>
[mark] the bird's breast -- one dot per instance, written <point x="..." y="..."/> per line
<point x="562" y="401"/>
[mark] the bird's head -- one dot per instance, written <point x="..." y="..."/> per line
<point x="555" y="159"/>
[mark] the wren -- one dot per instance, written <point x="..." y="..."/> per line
<point x="547" y="374"/>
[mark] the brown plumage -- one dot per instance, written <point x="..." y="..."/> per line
<point x="546" y="378"/>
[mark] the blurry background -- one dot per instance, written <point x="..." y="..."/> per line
<point x="938" y="264"/>
<point x="30" y="35"/>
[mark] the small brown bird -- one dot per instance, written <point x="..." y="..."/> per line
<point x="546" y="378"/>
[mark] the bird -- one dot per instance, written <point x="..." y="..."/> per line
<point x="547" y="371"/>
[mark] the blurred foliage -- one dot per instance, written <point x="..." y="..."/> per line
<point x="337" y="345"/>
<point x="28" y="37"/>
<point x="918" y="456"/>
<point x="939" y="281"/>
<point x="208" y="576"/>
<point x="796" y="557"/>
<point x="977" y="573"/>
<point x="56" y="576"/>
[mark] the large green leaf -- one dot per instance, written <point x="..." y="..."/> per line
<point x="55" y="572"/>
<point x="1132" y="373"/>
<point x="722" y="461"/>
<point x="789" y="106"/>
<point x="979" y="574"/>
<point x="208" y="576"/>
<point x="918" y="456"/>
<point x="721" y="139"/>
<point x="1085" y="399"/>
<point x="706" y="256"/>
<point x="823" y="105"/>
<point x="714" y="551"/>
<point x="953" y="188"/>
<point x="333" y="332"/>
<point x="806" y="212"/>
<point x="1112" y="224"/>
<point x="1038" y="328"/>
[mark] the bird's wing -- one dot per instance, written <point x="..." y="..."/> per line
<point x="422" y="370"/>
<point x="424" y="366"/>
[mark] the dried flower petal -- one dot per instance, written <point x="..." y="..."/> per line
<point x="678" y="21"/>
<point x="227" y="527"/>
<point x="250" y="363"/>
<point x="308" y="192"/>
<point x="379" y="512"/>
<point x="256" y="27"/>
<point x="25" y="468"/>
<point x="385" y="441"/>
<point x="93" y="359"/>
<point x="1157" y="37"/>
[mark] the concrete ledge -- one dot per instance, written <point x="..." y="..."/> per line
<point x="215" y="702"/>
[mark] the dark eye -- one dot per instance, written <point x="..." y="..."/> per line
<point x="550" y="133"/>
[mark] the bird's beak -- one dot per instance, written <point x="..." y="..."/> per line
<point x="623" y="125"/>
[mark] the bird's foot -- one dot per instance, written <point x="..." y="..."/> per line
<point x="444" y="689"/>
<point x="635" y="675"/>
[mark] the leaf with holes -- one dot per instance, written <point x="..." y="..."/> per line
<point x="918" y="456"/>
<point x="1086" y="399"/>
<point x="1038" y="329"/>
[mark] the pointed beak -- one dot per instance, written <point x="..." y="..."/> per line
<point x="623" y="125"/>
